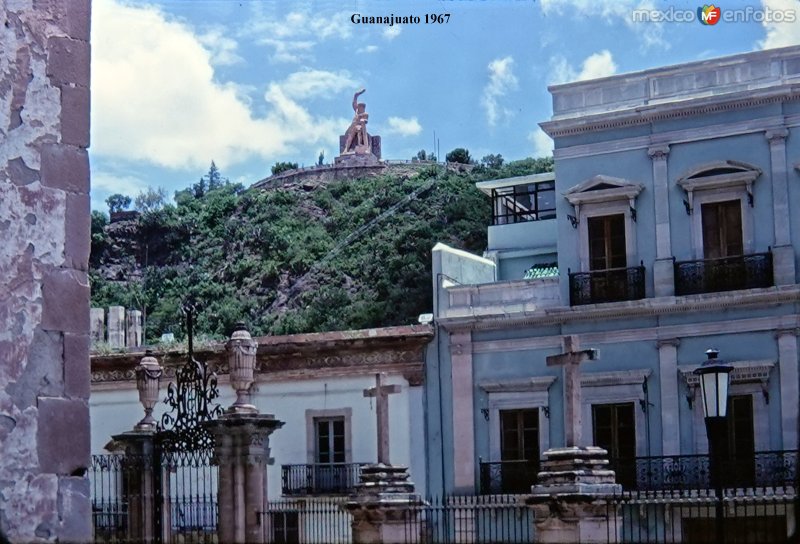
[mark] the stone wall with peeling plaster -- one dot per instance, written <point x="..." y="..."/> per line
<point x="44" y="251"/>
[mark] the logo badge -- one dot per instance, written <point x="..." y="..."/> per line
<point x="709" y="14"/>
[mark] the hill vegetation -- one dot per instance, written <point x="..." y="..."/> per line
<point x="289" y="259"/>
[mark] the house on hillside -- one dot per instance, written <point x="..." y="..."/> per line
<point x="670" y="226"/>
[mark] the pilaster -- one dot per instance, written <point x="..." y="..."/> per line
<point x="783" y="252"/>
<point x="663" y="271"/>
<point x="670" y="408"/>
<point x="787" y="366"/>
<point x="463" y="412"/>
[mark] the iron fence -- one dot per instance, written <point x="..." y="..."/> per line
<point x="612" y="285"/>
<point x="508" y="477"/>
<point x="320" y="479"/>
<point x="307" y="521"/>
<point x="112" y="488"/>
<point x="724" y="274"/>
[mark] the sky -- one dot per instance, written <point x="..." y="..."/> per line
<point x="246" y="83"/>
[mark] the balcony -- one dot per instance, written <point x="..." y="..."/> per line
<point x="508" y="477"/>
<point x="724" y="274"/>
<point x="319" y="479"/>
<point x="687" y="472"/>
<point x="611" y="285"/>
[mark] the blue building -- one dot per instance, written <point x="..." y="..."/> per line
<point x="668" y="227"/>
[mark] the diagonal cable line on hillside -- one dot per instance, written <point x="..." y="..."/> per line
<point x="352" y="237"/>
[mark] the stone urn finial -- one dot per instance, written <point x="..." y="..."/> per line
<point x="241" y="350"/>
<point x="148" y="381"/>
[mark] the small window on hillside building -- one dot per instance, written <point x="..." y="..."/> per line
<point x="607" y="242"/>
<point x="722" y="229"/>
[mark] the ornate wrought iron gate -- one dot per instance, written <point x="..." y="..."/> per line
<point x="185" y="505"/>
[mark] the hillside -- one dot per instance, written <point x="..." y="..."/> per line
<point x="350" y="254"/>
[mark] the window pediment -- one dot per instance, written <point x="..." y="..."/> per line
<point x="602" y="188"/>
<point x="720" y="174"/>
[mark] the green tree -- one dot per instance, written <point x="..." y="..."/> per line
<point x="118" y="202"/>
<point x="279" y="167"/>
<point x="150" y="200"/>
<point x="422" y="155"/>
<point x="459" y="155"/>
<point x="492" y="161"/>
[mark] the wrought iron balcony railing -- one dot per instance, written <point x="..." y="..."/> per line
<point x="320" y="479"/>
<point x="612" y="285"/>
<point x="685" y="472"/>
<point x="501" y="477"/>
<point x="725" y="274"/>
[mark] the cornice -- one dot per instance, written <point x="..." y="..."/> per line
<point x="658" y="112"/>
<point x="626" y="310"/>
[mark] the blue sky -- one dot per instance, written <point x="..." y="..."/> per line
<point x="177" y="83"/>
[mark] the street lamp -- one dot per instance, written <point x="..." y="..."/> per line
<point x="714" y="376"/>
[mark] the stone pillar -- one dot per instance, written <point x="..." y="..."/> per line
<point x="464" y="438"/>
<point x="783" y="263"/>
<point x="241" y="452"/>
<point x="97" y="322"/>
<point x="572" y="501"/>
<point x="787" y="366"/>
<point x="670" y="408"/>
<point x="384" y="508"/>
<point x="116" y="326"/>
<point x="139" y="476"/>
<point x="663" y="270"/>
<point x="133" y="328"/>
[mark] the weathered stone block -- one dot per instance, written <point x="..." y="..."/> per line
<point x="97" y="320"/>
<point x="75" y="116"/>
<point x="77" y="372"/>
<point x="68" y="61"/>
<point x="74" y="509"/>
<point x="43" y="374"/>
<point x="77" y="239"/>
<point x="65" y="305"/>
<point x="65" y="167"/>
<point x="116" y="326"/>
<point x="63" y="436"/>
<point x="78" y="19"/>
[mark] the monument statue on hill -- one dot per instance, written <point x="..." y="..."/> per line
<point x="357" y="147"/>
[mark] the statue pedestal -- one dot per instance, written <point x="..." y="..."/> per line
<point x="573" y="499"/>
<point x="384" y="507"/>
<point x="362" y="155"/>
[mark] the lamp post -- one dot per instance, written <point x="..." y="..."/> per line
<point x="714" y="376"/>
<point x="148" y="378"/>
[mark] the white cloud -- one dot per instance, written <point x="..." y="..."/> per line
<point x="650" y="34"/>
<point x="596" y="65"/>
<point x="105" y="184"/>
<point x="404" y="127"/>
<point x="781" y="34"/>
<point x="542" y="143"/>
<point x="501" y="81"/>
<point x="367" y="49"/>
<point x="391" y="32"/>
<point x="222" y="48"/>
<point x="295" y="35"/>
<point x="155" y="97"/>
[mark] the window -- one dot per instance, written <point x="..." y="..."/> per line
<point x="330" y="440"/>
<point x="519" y="434"/>
<point x="520" y="203"/>
<point x="607" y="242"/>
<point x="614" y="430"/>
<point x="722" y="229"/>
<point x="285" y="527"/>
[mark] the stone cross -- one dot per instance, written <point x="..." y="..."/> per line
<point x="381" y="393"/>
<point x="572" y="357"/>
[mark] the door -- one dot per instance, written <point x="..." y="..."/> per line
<point x="519" y="449"/>
<point x="614" y="430"/>
<point x="722" y="229"/>
<point x="330" y="469"/>
<point x="741" y="440"/>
